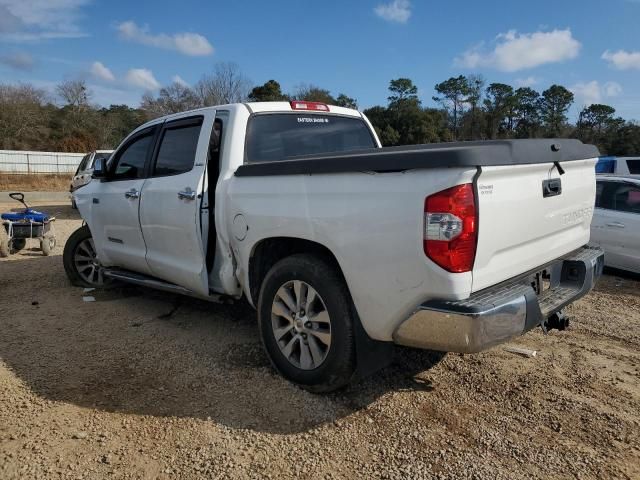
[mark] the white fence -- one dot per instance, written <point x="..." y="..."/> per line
<point x="17" y="161"/>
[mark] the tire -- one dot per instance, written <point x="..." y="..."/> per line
<point x="18" y="244"/>
<point x="80" y="261"/>
<point x="47" y="244"/>
<point x="321" y="367"/>
<point x="4" y="242"/>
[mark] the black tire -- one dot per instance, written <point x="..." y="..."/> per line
<point x="74" y="243"/>
<point x="18" y="244"/>
<point x="47" y="244"/>
<point x="338" y="366"/>
<point x="4" y="242"/>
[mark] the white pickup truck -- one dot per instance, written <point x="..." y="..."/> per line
<point x="343" y="247"/>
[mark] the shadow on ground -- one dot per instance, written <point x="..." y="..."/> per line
<point x="139" y="351"/>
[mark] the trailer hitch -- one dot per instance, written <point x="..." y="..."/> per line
<point x="557" y="321"/>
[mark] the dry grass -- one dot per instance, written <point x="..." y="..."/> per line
<point x="35" y="183"/>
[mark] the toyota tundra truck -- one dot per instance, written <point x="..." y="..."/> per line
<point x="343" y="247"/>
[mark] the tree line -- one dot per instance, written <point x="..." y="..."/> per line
<point x="465" y="108"/>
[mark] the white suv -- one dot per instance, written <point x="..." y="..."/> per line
<point x="616" y="220"/>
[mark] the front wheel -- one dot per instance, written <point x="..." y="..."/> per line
<point x="80" y="260"/>
<point x="306" y="323"/>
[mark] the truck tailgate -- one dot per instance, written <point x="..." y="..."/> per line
<point x="520" y="227"/>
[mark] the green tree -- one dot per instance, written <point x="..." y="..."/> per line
<point x="527" y="102"/>
<point x="312" y="93"/>
<point x="555" y="103"/>
<point x="347" y="102"/>
<point x="402" y="89"/>
<point x="269" y="92"/>
<point x="454" y="93"/>
<point x="626" y="140"/>
<point x="404" y="121"/>
<point x="474" y="97"/>
<point x="595" y="118"/>
<point x="174" y="98"/>
<point x="498" y="103"/>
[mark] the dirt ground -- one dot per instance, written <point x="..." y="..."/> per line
<point x="141" y="384"/>
<point x="35" y="182"/>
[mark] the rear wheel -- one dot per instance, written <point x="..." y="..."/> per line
<point x="306" y="323"/>
<point x="4" y="242"/>
<point x="80" y="260"/>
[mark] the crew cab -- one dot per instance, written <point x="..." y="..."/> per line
<point x="343" y="247"/>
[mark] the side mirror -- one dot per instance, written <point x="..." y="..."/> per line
<point x="99" y="168"/>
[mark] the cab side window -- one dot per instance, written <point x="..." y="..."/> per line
<point x="626" y="198"/>
<point x="618" y="196"/>
<point x="129" y="162"/>
<point x="178" y="145"/>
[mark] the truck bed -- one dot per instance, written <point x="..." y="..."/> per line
<point x="437" y="155"/>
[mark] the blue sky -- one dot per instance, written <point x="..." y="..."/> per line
<point x="123" y="48"/>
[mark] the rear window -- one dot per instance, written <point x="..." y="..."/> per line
<point x="276" y="137"/>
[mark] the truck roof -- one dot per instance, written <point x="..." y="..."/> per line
<point x="258" y="107"/>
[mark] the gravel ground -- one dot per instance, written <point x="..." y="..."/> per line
<point x="141" y="384"/>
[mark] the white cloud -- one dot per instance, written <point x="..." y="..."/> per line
<point x="192" y="44"/>
<point x="178" y="79"/>
<point x="519" y="51"/>
<point x="592" y="92"/>
<point x="18" y="60"/>
<point x="526" y="82"/>
<point x="106" y="95"/>
<point x="142" y="78"/>
<point x="587" y="93"/>
<point x="99" y="71"/>
<point x="612" y="89"/>
<point x="24" y="21"/>
<point x="397" y="11"/>
<point x="623" y="60"/>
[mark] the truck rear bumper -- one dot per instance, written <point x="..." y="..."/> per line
<point x="496" y="314"/>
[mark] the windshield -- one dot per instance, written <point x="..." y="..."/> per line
<point x="274" y="137"/>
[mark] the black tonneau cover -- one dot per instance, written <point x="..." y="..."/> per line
<point x="435" y="155"/>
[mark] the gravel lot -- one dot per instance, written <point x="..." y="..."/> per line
<point x="141" y="384"/>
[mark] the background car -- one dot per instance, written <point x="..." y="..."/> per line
<point x="616" y="220"/>
<point x="619" y="165"/>
<point x="85" y="169"/>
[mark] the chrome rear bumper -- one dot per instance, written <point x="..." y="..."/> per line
<point x="496" y="314"/>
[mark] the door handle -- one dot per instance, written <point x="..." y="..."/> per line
<point x="615" y="224"/>
<point x="132" y="194"/>
<point x="187" y="194"/>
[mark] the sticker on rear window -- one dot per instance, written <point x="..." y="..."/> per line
<point x="312" y="120"/>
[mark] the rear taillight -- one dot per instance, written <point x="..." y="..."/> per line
<point x="314" y="106"/>
<point x="450" y="228"/>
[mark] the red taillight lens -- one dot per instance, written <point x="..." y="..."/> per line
<point x="450" y="228"/>
<point x="314" y="106"/>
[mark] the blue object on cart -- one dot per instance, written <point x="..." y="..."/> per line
<point x="28" y="215"/>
